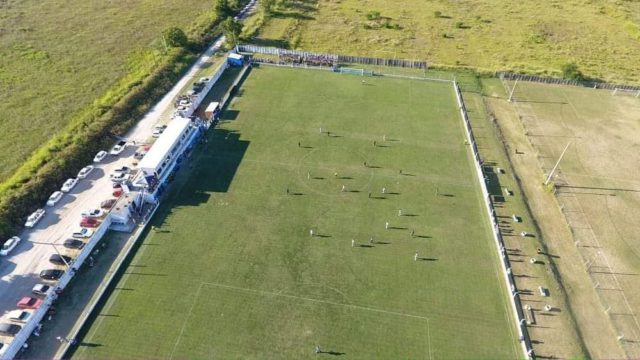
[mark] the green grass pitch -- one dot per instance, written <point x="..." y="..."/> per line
<point x="233" y="272"/>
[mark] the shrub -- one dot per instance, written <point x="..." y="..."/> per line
<point x="570" y="71"/>
<point x="373" y="15"/>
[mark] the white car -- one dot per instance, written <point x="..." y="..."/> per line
<point x="69" y="184"/>
<point x="122" y="170"/>
<point x="82" y="233"/>
<point x="54" y="198"/>
<point x="20" y="316"/>
<point x="41" y="289"/>
<point x="158" y="130"/>
<point x="9" y="245"/>
<point x="93" y="213"/>
<point x="84" y="172"/>
<point x="118" y="148"/>
<point x="119" y="177"/>
<point x="100" y="156"/>
<point x="33" y="219"/>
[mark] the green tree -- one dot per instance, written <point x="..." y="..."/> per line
<point x="267" y="6"/>
<point x="570" y="71"/>
<point x="175" y="37"/>
<point x="232" y="30"/>
<point x="222" y="8"/>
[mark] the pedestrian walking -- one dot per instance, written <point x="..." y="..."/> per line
<point x="369" y="195"/>
<point x="384" y="190"/>
<point x="329" y="133"/>
<point x="335" y="174"/>
<point x="400" y="172"/>
<point x="413" y="232"/>
<point x="308" y="175"/>
<point x="386" y="225"/>
<point x="287" y="191"/>
<point x="317" y="350"/>
<point x="400" y="212"/>
<point x="299" y="144"/>
<point x="311" y="232"/>
<point x="320" y="130"/>
<point x="415" y="257"/>
<point x="343" y="188"/>
<point x="371" y="241"/>
<point x="353" y="243"/>
<point x="374" y="143"/>
<point x="365" y="164"/>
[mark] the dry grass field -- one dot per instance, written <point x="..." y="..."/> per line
<point x="532" y="36"/>
<point x="57" y="57"/>
<point x="597" y="189"/>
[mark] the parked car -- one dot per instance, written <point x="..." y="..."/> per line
<point x="9" y="245"/>
<point x="108" y="204"/>
<point x="29" y="302"/>
<point x="85" y="171"/>
<point x="82" y="233"/>
<point x="122" y="170"/>
<point x="69" y="184"/>
<point x="100" y="156"/>
<point x="58" y="259"/>
<point x="8" y="329"/>
<point x="140" y="154"/>
<point x="54" y="198"/>
<point x="117" y="192"/>
<point x="41" y="289"/>
<point x="118" y="148"/>
<point x="116" y="185"/>
<point x="20" y="316"/>
<point x="33" y="219"/>
<point x="120" y="177"/>
<point x="93" y="213"/>
<point x="51" y="274"/>
<point x="89" y="222"/>
<point x="73" y="244"/>
<point x="158" y="130"/>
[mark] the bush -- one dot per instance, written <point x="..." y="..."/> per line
<point x="570" y="71"/>
<point x="373" y="15"/>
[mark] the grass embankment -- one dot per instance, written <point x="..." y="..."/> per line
<point x="487" y="35"/>
<point x="234" y="273"/>
<point x="88" y="122"/>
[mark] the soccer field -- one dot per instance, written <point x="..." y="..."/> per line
<point x="232" y="271"/>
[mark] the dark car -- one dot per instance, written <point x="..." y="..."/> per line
<point x="108" y="204"/>
<point x="73" y="244"/>
<point x="60" y="259"/>
<point x="9" y="329"/>
<point x="51" y="274"/>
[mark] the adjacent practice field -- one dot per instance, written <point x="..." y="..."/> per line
<point x="232" y="271"/>
<point x="597" y="186"/>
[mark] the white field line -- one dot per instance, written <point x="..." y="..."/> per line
<point x="186" y="320"/>
<point x="357" y="307"/>
<point x="271" y="293"/>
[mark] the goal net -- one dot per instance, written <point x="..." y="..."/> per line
<point x="359" y="72"/>
<point x="625" y="92"/>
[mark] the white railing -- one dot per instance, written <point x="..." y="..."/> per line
<point x="514" y="298"/>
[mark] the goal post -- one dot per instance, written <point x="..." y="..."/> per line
<point x="354" y="71"/>
<point x="626" y="92"/>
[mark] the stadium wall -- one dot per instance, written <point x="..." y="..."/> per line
<point x="514" y="298"/>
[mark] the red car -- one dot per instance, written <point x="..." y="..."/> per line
<point x="89" y="222"/>
<point x="29" y="302"/>
<point x="117" y="192"/>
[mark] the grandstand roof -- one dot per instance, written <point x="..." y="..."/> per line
<point x="156" y="155"/>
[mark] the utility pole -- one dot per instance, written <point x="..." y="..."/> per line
<point x="557" y="163"/>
